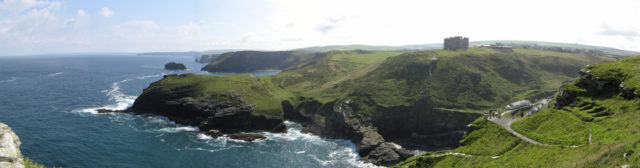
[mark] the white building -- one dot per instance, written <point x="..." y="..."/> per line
<point x="518" y="104"/>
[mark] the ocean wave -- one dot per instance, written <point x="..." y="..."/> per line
<point x="177" y="129"/>
<point x="122" y="101"/>
<point x="55" y="74"/>
<point x="8" y="80"/>
<point x="150" y="76"/>
<point x="202" y="136"/>
<point x="345" y="151"/>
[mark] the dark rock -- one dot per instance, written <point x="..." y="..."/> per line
<point x="174" y="66"/>
<point x="336" y="121"/>
<point x="247" y="136"/>
<point x="224" y="112"/>
<point x="387" y="154"/>
<point x="214" y="133"/>
<point x="101" y="111"/>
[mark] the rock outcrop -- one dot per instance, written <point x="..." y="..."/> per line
<point x="174" y="66"/>
<point x="336" y="120"/>
<point x="10" y="155"/>
<point x="590" y="84"/>
<point x="214" y="114"/>
<point x="245" y="136"/>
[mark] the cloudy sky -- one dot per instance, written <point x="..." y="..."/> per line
<point x="73" y="26"/>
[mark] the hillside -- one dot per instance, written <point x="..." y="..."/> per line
<point x="594" y="124"/>
<point x="607" y="50"/>
<point x="422" y="99"/>
<point x="247" y="61"/>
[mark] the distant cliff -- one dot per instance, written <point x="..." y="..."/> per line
<point x="207" y="58"/>
<point x="247" y="61"/>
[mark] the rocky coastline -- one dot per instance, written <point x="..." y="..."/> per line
<point x="10" y="155"/>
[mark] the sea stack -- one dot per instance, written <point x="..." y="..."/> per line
<point x="174" y="66"/>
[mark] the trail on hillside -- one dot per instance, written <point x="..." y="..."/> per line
<point x="506" y="123"/>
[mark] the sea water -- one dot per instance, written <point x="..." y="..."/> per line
<point x="49" y="101"/>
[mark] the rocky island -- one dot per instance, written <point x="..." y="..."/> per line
<point x="174" y="66"/>
<point x="385" y="102"/>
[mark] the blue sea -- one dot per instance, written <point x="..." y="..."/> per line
<point x="49" y="103"/>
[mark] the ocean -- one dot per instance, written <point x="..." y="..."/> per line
<point x="49" y="101"/>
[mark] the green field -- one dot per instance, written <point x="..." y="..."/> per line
<point x="613" y="120"/>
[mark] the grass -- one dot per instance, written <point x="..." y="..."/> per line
<point x="543" y="127"/>
<point x="612" y="118"/>
<point x="28" y="163"/>
<point x="487" y="139"/>
<point x="466" y="80"/>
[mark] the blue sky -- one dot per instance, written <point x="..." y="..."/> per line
<point x="70" y="26"/>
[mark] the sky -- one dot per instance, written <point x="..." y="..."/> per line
<point x="80" y="26"/>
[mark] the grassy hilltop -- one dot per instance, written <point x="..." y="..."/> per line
<point x="402" y="94"/>
<point x="597" y="107"/>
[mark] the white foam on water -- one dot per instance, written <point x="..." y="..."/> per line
<point x="121" y="100"/>
<point x="345" y="152"/>
<point x="150" y="76"/>
<point x="177" y="129"/>
<point x="8" y="80"/>
<point x="322" y="162"/>
<point x="55" y="74"/>
<point x="202" y="136"/>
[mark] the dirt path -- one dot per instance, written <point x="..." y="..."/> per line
<point x="506" y="123"/>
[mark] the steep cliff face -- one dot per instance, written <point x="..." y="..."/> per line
<point x="226" y="112"/>
<point x="422" y="98"/>
<point x="336" y="120"/>
<point x="10" y="155"/>
<point x="603" y="80"/>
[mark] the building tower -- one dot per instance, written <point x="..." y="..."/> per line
<point x="455" y="43"/>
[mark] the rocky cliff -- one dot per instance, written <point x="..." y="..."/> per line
<point x="10" y="155"/>
<point x="225" y="112"/>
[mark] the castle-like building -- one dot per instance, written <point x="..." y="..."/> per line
<point x="456" y="43"/>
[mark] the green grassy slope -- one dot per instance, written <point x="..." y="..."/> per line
<point x="381" y="81"/>
<point x="247" y="61"/>
<point x="612" y="117"/>
<point x="478" y="78"/>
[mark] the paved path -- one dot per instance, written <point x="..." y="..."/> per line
<point x="506" y="123"/>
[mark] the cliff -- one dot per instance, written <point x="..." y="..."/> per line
<point x="10" y="155"/>
<point x="207" y="58"/>
<point x="208" y="107"/>
<point x="593" y="123"/>
<point x="376" y="99"/>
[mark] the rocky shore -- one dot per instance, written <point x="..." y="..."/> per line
<point x="10" y="155"/>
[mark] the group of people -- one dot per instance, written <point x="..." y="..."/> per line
<point x="492" y="114"/>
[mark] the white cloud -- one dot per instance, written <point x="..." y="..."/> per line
<point x="81" y="12"/>
<point x="189" y="30"/>
<point x="36" y="26"/>
<point x="15" y="6"/>
<point x="106" y="12"/>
